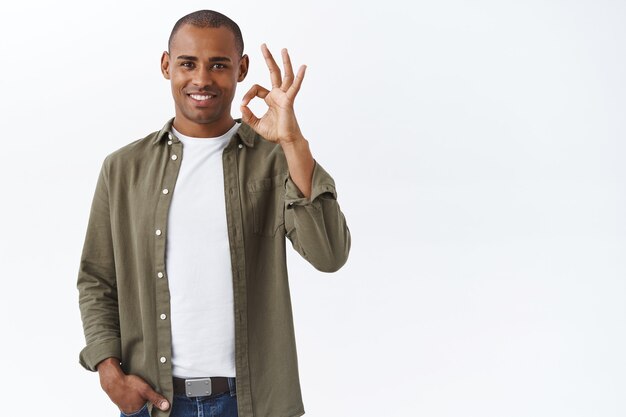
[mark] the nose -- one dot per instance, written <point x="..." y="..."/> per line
<point x="202" y="77"/>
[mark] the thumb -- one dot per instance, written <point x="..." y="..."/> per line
<point x="249" y="117"/>
<point x="157" y="399"/>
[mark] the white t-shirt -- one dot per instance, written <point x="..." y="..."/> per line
<point x="198" y="263"/>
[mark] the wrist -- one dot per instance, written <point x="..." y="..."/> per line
<point x="292" y="139"/>
<point x="295" y="145"/>
<point x="297" y="153"/>
<point x="110" y="372"/>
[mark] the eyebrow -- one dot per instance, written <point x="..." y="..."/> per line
<point x="212" y="59"/>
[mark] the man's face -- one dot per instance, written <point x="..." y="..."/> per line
<point x="204" y="68"/>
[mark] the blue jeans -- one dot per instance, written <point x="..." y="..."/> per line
<point x="219" y="405"/>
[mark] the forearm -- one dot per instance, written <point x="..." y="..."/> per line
<point x="99" y="311"/>
<point x="301" y="163"/>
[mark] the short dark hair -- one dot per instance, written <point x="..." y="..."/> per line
<point x="208" y="19"/>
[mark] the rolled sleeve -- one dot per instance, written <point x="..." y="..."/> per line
<point x="322" y="183"/>
<point x="316" y="226"/>
<point x="96" y="352"/>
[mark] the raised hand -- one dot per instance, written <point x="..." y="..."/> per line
<point x="279" y="123"/>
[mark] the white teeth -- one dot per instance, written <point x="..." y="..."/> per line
<point x="199" y="97"/>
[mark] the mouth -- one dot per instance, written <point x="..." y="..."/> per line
<point x="201" y="100"/>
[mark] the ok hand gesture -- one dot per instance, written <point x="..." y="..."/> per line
<point x="279" y="123"/>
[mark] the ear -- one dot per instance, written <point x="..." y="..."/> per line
<point x="165" y="65"/>
<point x="243" y="68"/>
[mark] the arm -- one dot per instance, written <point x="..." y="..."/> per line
<point x="313" y="221"/>
<point x="99" y="310"/>
<point x="96" y="282"/>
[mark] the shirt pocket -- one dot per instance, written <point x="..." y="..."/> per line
<point x="267" y="202"/>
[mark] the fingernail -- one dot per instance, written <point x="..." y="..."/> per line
<point x="165" y="405"/>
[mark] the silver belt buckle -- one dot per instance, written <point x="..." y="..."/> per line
<point x="198" y="387"/>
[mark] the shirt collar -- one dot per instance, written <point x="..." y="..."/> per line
<point x="245" y="133"/>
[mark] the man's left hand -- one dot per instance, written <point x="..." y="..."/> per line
<point x="279" y="123"/>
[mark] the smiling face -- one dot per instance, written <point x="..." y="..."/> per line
<point x="204" y="68"/>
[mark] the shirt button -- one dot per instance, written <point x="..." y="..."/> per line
<point x="240" y="146"/>
<point x="165" y="191"/>
<point x="163" y="359"/>
<point x="169" y="135"/>
<point x="158" y="232"/>
<point x="160" y="274"/>
<point x="163" y="316"/>
<point x="169" y="142"/>
<point x="174" y="157"/>
<point x="291" y="204"/>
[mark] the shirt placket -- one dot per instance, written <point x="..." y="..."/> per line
<point x="170" y="163"/>
<point x="233" y="157"/>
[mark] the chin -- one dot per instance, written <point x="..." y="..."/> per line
<point x="203" y="119"/>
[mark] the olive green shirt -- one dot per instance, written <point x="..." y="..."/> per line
<point x="123" y="284"/>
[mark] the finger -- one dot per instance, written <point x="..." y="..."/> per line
<point x="288" y="77"/>
<point x="155" y="398"/>
<point x="248" y="117"/>
<point x="255" y="91"/>
<point x="271" y="64"/>
<point x="297" y="82"/>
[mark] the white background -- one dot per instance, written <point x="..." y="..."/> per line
<point x="478" y="150"/>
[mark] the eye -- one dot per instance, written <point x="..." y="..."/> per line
<point x="187" y="64"/>
<point x="218" y="66"/>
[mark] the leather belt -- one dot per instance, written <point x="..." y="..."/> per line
<point x="200" y="387"/>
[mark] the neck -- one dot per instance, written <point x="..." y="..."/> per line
<point x="203" y="130"/>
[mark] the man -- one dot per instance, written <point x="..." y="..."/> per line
<point x="182" y="283"/>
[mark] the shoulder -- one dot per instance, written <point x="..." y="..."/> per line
<point x="131" y="152"/>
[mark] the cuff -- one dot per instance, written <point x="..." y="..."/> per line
<point x="96" y="352"/>
<point x="322" y="184"/>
